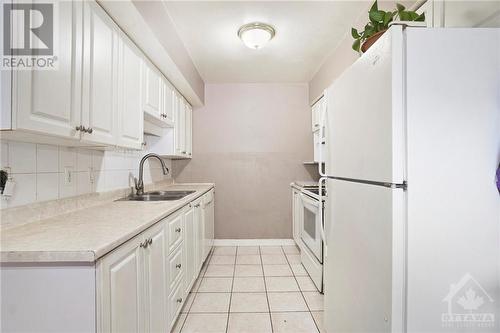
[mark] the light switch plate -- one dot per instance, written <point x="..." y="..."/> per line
<point x="68" y="175"/>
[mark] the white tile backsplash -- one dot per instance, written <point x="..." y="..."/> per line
<point x="84" y="184"/>
<point x="39" y="171"/>
<point x="24" y="190"/>
<point x="83" y="160"/>
<point x="47" y="158"/>
<point x="67" y="189"/>
<point x="67" y="158"/>
<point x="47" y="186"/>
<point x="4" y="155"/>
<point x="22" y="157"/>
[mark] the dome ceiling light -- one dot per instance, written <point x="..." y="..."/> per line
<point x="256" y="34"/>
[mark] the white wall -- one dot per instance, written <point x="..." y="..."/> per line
<point x="251" y="140"/>
<point x="38" y="171"/>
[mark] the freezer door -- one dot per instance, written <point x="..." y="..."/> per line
<point x="365" y="123"/>
<point x="364" y="263"/>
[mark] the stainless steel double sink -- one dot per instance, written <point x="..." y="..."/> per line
<point x="158" y="196"/>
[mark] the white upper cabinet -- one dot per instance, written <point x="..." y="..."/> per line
<point x="101" y="93"/>
<point x="157" y="97"/>
<point x="152" y="92"/>
<point x="48" y="101"/>
<point x="130" y="116"/>
<point x="100" y="76"/>
<point x="167" y="111"/>
<point x="180" y="125"/>
<point x="189" y="130"/>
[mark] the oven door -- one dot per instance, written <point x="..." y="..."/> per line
<point x="311" y="224"/>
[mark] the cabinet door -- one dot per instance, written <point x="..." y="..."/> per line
<point x="180" y="126"/>
<point x="100" y="79"/>
<point x="130" y="114"/>
<point x="189" y="130"/>
<point x="120" y="289"/>
<point x="156" y="278"/>
<point x="48" y="101"/>
<point x="208" y="214"/>
<point x="189" y="249"/>
<point x="200" y="235"/>
<point x="152" y="91"/>
<point x="167" y="102"/>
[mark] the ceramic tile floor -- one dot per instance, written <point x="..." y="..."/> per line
<point x="251" y="289"/>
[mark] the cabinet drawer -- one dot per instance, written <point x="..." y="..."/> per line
<point x="176" y="268"/>
<point x="175" y="232"/>
<point x="176" y="301"/>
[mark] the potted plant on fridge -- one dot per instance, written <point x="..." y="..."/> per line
<point x="379" y="23"/>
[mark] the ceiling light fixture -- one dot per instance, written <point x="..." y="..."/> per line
<point x="256" y="34"/>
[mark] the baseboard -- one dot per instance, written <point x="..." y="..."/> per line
<point x="253" y="242"/>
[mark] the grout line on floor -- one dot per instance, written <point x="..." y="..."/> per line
<point x="265" y="289"/>
<point x="232" y="287"/>
<point x="302" y="293"/>
<point x="200" y="277"/>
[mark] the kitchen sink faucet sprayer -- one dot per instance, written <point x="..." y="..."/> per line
<point x="139" y="184"/>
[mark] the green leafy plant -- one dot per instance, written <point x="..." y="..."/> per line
<point x="380" y="20"/>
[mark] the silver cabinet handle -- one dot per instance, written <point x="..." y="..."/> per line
<point x="81" y="128"/>
<point x="178" y="229"/>
<point x="144" y="244"/>
<point x="197" y="205"/>
<point x="89" y="130"/>
<point x="178" y="266"/>
<point x="150" y="241"/>
<point x="179" y="300"/>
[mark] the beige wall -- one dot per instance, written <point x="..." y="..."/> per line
<point x="251" y="140"/>
<point x="343" y="55"/>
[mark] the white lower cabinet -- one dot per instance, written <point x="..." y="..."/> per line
<point x="120" y="287"/>
<point x="189" y="248"/>
<point x="157" y="273"/>
<point x="142" y="285"/>
<point x="208" y="205"/>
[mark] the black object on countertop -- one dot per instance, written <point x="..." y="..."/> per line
<point x="3" y="179"/>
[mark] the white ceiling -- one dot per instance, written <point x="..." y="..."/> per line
<point x="306" y="32"/>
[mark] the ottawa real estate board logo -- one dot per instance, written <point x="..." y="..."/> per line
<point x="29" y="36"/>
<point x="469" y="306"/>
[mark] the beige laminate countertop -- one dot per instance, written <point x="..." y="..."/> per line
<point x="87" y="234"/>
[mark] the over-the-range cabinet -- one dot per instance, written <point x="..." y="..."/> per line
<point x="412" y="209"/>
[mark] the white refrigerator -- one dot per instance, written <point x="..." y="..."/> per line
<point x="412" y="216"/>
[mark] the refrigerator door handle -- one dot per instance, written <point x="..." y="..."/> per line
<point x="321" y="213"/>
<point x="322" y="115"/>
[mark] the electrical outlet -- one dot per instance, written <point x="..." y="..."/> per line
<point x="68" y="175"/>
<point x="91" y="175"/>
